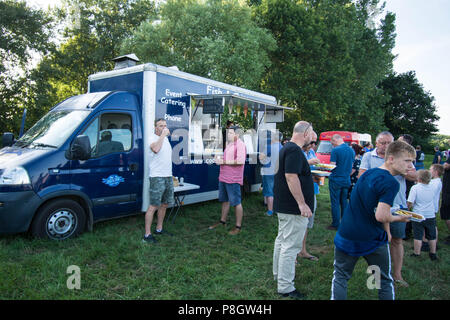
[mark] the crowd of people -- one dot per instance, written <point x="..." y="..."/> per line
<point x="367" y="187"/>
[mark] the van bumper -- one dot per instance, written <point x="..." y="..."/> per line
<point x="17" y="210"/>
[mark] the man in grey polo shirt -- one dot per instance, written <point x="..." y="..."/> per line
<point x="375" y="158"/>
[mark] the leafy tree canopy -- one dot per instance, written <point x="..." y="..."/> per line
<point x="91" y="40"/>
<point x="211" y="38"/>
<point x="409" y="108"/>
<point x="329" y="61"/>
<point x="22" y="31"/>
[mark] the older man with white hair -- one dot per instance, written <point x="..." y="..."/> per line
<point x="375" y="158"/>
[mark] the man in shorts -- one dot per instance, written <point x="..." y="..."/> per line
<point x="161" y="183"/>
<point x="231" y="178"/>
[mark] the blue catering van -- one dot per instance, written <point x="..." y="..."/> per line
<point x="86" y="160"/>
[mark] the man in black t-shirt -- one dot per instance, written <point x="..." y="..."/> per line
<point x="293" y="203"/>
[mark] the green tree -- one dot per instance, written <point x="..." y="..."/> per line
<point x="23" y="31"/>
<point x="329" y="61"/>
<point x="91" y="40"/>
<point x="409" y="109"/>
<point x="211" y="38"/>
<point x="437" y="140"/>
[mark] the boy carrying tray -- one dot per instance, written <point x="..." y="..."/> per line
<point x="364" y="230"/>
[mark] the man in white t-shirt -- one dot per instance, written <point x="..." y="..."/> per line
<point x="161" y="183"/>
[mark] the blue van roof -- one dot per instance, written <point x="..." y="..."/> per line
<point x="82" y="101"/>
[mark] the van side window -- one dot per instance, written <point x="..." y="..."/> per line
<point x="110" y="133"/>
<point x="92" y="133"/>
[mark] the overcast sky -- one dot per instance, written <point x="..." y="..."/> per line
<point x="422" y="45"/>
<point x="423" y="39"/>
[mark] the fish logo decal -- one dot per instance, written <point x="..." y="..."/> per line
<point x="113" y="180"/>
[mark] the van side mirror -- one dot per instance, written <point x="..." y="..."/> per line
<point x="80" y="148"/>
<point x="7" y="139"/>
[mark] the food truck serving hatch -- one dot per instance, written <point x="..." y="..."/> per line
<point x="215" y="103"/>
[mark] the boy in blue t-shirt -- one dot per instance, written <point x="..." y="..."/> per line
<point x="364" y="229"/>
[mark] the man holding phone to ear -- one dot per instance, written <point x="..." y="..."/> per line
<point x="161" y="183"/>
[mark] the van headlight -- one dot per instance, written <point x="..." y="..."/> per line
<point x="14" y="176"/>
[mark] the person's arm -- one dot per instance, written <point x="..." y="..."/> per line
<point x="240" y="156"/>
<point x="314" y="160"/>
<point x="365" y="164"/>
<point x="263" y="158"/>
<point x="383" y="214"/>
<point x="387" y="228"/>
<point x="296" y="190"/>
<point x="333" y="157"/>
<point x="446" y="166"/>
<point x="411" y="175"/>
<point x="361" y="171"/>
<point x="410" y="205"/>
<point x="157" y="145"/>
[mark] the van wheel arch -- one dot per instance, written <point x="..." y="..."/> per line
<point x="75" y="203"/>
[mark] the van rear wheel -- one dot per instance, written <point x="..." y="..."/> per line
<point x="58" y="220"/>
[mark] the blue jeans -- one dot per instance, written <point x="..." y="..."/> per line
<point x="338" y="197"/>
<point x="343" y="269"/>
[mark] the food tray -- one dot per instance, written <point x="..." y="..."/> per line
<point x="325" y="167"/>
<point x="320" y="173"/>
<point x="414" y="215"/>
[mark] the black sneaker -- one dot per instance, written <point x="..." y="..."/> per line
<point x="293" y="294"/>
<point x="149" y="239"/>
<point x="163" y="232"/>
<point x="433" y="256"/>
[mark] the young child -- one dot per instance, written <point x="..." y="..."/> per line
<point x="422" y="200"/>
<point x="437" y="170"/>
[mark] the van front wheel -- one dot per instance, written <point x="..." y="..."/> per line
<point x="59" y="220"/>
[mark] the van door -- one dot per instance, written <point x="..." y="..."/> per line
<point x="111" y="176"/>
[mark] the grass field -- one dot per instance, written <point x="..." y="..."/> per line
<point x="196" y="263"/>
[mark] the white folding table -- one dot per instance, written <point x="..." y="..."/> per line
<point x="179" y="193"/>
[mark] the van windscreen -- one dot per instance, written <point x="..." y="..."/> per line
<point x="53" y="129"/>
<point x="324" y="147"/>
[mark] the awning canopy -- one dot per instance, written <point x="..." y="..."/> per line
<point x="236" y="99"/>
